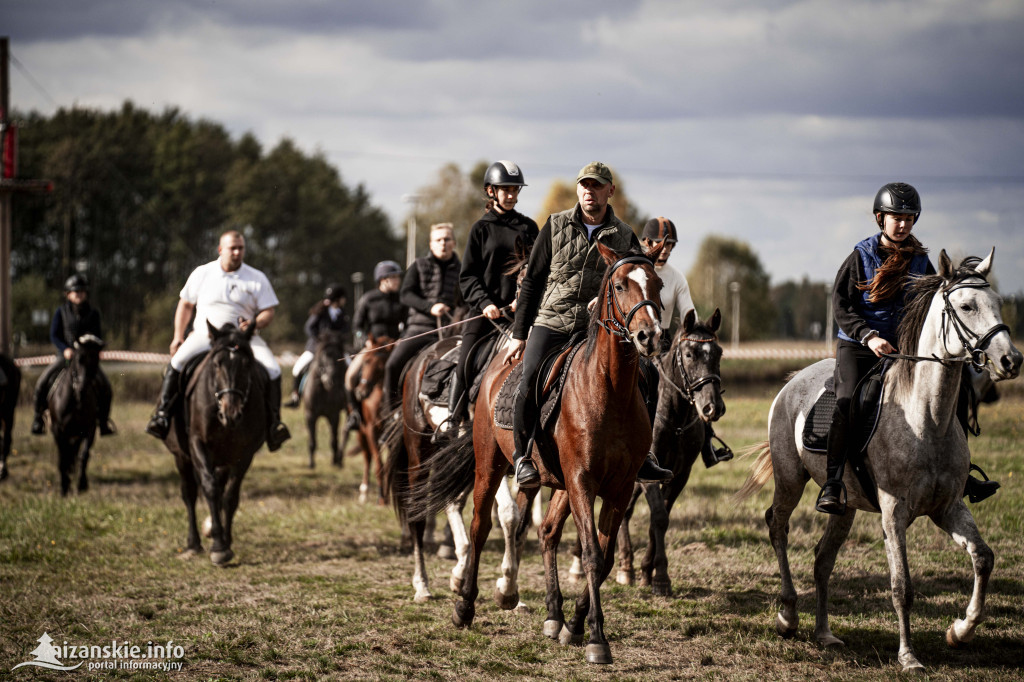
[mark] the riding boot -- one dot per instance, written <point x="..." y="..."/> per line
<point x="709" y="453"/>
<point x="456" y="408"/>
<point x="293" y="398"/>
<point x="651" y="471"/>
<point x="525" y="472"/>
<point x="160" y="424"/>
<point x="277" y="433"/>
<point x="832" y="498"/>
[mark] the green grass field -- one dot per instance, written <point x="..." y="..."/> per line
<point x="319" y="589"/>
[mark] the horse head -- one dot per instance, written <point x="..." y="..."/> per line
<point x="328" y="359"/>
<point x="371" y="371"/>
<point x="631" y="305"/>
<point x="86" y="360"/>
<point x="695" y="361"/>
<point x="233" y="367"/>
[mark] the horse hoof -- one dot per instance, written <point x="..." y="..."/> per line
<point x="624" y="577"/>
<point x="599" y="653"/>
<point x="552" y="628"/>
<point x="422" y="597"/>
<point x="662" y="588"/>
<point x="190" y="553"/>
<point x="830" y="641"/>
<point x="522" y="609"/>
<point x="446" y="552"/>
<point x="506" y="602"/>
<point x="462" y="616"/>
<point x="221" y="558"/>
<point x="207" y="527"/>
<point x="953" y="640"/>
<point x="913" y="666"/>
<point x="567" y="637"/>
<point x="782" y="626"/>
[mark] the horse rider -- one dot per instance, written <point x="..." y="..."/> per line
<point x="73" y="319"/>
<point x="379" y="314"/>
<point x="675" y="295"/>
<point x="327" y="314"/>
<point x="563" y="279"/>
<point x="500" y="236"/>
<point x="223" y="291"/>
<point x="868" y="301"/>
<point x="430" y="290"/>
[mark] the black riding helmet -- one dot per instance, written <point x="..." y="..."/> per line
<point x="76" y="282"/>
<point x="898" y="197"/>
<point x="503" y="174"/>
<point x="335" y="292"/>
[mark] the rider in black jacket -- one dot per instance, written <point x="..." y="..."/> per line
<point x="327" y="314"/>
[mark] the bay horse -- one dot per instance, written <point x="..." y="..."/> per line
<point x="323" y="395"/>
<point x="690" y="396"/>
<point x="10" y="385"/>
<point x="410" y="444"/>
<point x="601" y="437"/>
<point x="74" y="411"/>
<point x="918" y="456"/>
<point x="369" y="391"/>
<point x="220" y="426"/>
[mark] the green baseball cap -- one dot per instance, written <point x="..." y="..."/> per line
<point x="596" y="171"/>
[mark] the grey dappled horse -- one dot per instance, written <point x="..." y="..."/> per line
<point x="918" y="456"/>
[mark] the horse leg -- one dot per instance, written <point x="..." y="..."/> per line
<point x="549" y="533"/>
<point x="488" y="475"/>
<point x="66" y="461"/>
<point x="895" y="519"/>
<point x="654" y="565"/>
<point x="777" y="517"/>
<point x="311" y="418"/>
<point x="836" y="531"/>
<point x="364" y="444"/>
<point x="231" y="494"/>
<point x="576" y="573"/>
<point x="506" y="591"/>
<point x="461" y="541"/>
<point x="626" y="576"/>
<point x="83" y="463"/>
<point x="337" y="456"/>
<point x="189" y="494"/>
<point x="959" y="523"/>
<point x="213" y="491"/>
<point x="419" y="575"/>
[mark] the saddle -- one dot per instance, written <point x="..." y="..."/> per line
<point x="437" y="377"/>
<point x="867" y="403"/>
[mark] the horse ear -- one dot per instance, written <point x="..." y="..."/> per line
<point x="716" y="320"/>
<point x="655" y="251"/>
<point x="250" y="330"/>
<point x="689" y="320"/>
<point x="985" y="266"/>
<point x="214" y="332"/>
<point x="945" y="265"/>
<point x="609" y="255"/>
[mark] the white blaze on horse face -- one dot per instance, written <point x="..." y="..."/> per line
<point x="640" y="277"/>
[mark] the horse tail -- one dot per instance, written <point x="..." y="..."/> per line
<point x="449" y="473"/>
<point x="760" y="471"/>
<point x="395" y="472"/>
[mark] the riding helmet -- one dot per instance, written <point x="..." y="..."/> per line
<point x="658" y="229"/>
<point x="504" y="174"/>
<point x="386" y="268"/>
<point x="335" y="292"/>
<point x="898" y="197"/>
<point x="76" y="282"/>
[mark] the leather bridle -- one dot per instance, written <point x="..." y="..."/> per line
<point x="611" y="323"/>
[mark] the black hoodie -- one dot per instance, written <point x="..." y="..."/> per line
<point x="490" y="251"/>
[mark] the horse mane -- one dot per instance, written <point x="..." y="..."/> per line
<point x="594" y="326"/>
<point x="920" y="292"/>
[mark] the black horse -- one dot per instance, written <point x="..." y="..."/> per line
<point x="74" y="411"/>
<point x="10" y="384"/>
<point x="216" y="432"/>
<point x="324" y="392"/>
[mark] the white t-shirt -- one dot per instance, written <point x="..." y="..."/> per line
<point x="222" y="297"/>
<point x="675" y="293"/>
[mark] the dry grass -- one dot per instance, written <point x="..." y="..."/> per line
<point x="319" y="590"/>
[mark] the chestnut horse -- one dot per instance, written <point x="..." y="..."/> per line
<point x="601" y="437"/>
<point x="369" y="391"/>
<point x="10" y="384"/>
<point x="323" y="394"/>
<point x="74" y="413"/>
<point x="216" y="433"/>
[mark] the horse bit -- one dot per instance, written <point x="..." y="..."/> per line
<point x="611" y="324"/>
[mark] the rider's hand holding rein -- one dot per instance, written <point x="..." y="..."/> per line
<point x="491" y="312"/>
<point x="515" y="351"/>
<point x="439" y="309"/>
<point x="880" y="347"/>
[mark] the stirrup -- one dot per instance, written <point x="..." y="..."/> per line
<point x="828" y="506"/>
<point x="159" y="426"/>
<point x="977" y="490"/>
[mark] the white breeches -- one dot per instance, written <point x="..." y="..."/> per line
<point x="197" y="343"/>
<point x="302" y="363"/>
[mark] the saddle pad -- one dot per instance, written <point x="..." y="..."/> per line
<point x="438" y="372"/>
<point x="819" y="419"/>
<point x="549" y="397"/>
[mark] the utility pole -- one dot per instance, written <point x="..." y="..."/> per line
<point x="734" y="287"/>
<point x="410" y="235"/>
<point x="9" y="184"/>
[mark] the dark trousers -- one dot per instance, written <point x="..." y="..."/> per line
<point x="524" y="410"/>
<point x="472" y="332"/>
<point x="399" y="358"/>
<point x="853" y="362"/>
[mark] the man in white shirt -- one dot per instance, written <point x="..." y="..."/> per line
<point x="222" y="292"/>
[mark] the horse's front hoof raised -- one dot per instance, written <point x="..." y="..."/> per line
<point x="506" y="602"/>
<point x="221" y="558"/>
<point x="785" y="629"/>
<point x="552" y="628"/>
<point x="462" y="616"/>
<point x="599" y="653"/>
<point x="567" y="637"/>
<point x="954" y="640"/>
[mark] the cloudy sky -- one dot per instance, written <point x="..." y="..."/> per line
<point x="770" y="121"/>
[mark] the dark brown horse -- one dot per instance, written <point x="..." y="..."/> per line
<point x="216" y="433"/>
<point x="369" y="391"/>
<point x="690" y="395"/>
<point x="324" y="392"/>
<point x="10" y="384"/>
<point x="74" y="413"/>
<point x="600" y="439"/>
